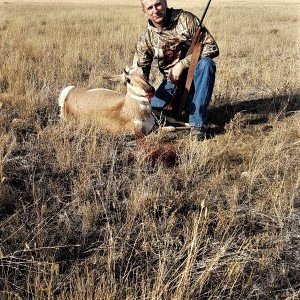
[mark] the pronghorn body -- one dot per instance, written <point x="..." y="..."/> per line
<point x="130" y="113"/>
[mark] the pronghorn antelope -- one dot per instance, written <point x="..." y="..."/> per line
<point x="130" y="113"/>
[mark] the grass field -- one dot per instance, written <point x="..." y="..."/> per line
<point x="177" y="3"/>
<point x="85" y="216"/>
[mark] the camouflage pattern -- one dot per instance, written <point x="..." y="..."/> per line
<point x="169" y="45"/>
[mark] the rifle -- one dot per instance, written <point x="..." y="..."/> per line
<point x="184" y="86"/>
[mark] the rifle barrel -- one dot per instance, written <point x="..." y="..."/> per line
<point x="204" y="13"/>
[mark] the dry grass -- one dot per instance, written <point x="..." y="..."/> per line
<point x="83" y="218"/>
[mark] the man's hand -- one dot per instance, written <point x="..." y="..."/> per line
<point x="175" y="72"/>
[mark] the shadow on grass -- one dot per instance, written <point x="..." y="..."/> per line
<point x="257" y="111"/>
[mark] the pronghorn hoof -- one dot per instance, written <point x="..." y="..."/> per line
<point x="174" y="128"/>
<point x="168" y="128"/>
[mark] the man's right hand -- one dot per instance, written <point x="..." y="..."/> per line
<point x="175" y="72"/>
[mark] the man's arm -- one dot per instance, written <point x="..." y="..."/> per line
<point x="210" y="49"/>
<point x="144" y="55"/>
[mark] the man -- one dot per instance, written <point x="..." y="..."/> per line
<point x="166" y="40"/>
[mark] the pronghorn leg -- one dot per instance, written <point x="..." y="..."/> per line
<point x="173" y="121"/>
<point x="174" y="128"/>
<point x="169" y="119"/>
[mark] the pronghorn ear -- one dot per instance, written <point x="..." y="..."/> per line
<point x="126" y="70"/>
<point x="125" y="73"/>
<point x="116" y="78"/>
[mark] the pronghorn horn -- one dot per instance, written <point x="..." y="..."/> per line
<point x="116" y="78"/>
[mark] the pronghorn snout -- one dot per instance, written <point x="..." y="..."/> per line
<point x="150" y="92"/>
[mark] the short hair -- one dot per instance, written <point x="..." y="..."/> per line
<point x="143" y="1"/>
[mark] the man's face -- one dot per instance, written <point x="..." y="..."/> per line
<point x="155" y="10"/>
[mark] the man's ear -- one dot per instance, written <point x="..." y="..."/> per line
<point x="143" y="9"/>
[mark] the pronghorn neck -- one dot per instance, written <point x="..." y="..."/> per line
<point x="146" y="122"/>
<point x="137" y="94"/>
<point x="141" y="99"/>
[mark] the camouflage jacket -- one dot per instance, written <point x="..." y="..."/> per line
<point x="170" y="45"/>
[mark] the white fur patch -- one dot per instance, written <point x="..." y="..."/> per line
<point x="146" y="108"/>
<point x="146" y="125"/>
<point x="135" y="89"/>
<point x="141" y="99"/>
<point x="100" y="89"/>
<point x="62" y="98"/>
<point x="137" y="122"/>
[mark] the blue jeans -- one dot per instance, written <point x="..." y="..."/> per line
<point x="200" y="96"/>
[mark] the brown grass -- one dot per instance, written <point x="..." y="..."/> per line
<point x="83" y="218"/>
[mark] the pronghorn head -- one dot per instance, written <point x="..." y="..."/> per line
<point x="136" y="82"/>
